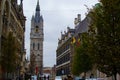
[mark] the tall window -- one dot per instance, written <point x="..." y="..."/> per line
<point x="36" y="30"/>
<point x="33" y="46"/>
<point x="38" y="46"/>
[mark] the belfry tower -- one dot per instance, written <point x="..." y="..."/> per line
<point x="36" y="42"/>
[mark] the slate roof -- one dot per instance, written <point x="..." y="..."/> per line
<point x="82" y="26"/>
<point x="37" y="18"/>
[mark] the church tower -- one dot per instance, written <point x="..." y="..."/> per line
<point x="36" y="42"/>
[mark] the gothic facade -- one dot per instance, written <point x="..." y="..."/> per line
<point x="36" y="42"/>
<point x="12" y="20"/>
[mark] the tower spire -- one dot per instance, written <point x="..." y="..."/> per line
<point x="38" y="6"/>
<point x="21" y="3"/>
<point x="37" y="13"/>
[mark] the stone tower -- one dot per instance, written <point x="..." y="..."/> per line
<point x="36" y="42"/>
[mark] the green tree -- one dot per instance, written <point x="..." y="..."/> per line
<point x="9" y="56"/>
<point x="81" y="60"/>
<point x="106" y="45"/>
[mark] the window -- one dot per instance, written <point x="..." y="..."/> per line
<point x="38" y="54"/>
<point x="38" y="46"/>
<point x="36" y="29"/>
<point x="33" y="46"/>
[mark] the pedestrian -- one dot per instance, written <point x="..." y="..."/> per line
<point x="44" y="77"/>
<point x="48" y="77"/>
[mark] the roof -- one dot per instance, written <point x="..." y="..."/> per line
<point x="82" y="26"/>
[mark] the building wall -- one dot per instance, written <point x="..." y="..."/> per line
<point x="3" y="3"/>
<point x="63" y="54"/>
<point x="12" y="20"/>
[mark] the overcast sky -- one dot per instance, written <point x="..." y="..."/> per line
<point x="57" y="15"/>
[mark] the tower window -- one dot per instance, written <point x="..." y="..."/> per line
<point x="36" y="29"/>
<point x="36" y="26"/>
<point x="33" y="46"/>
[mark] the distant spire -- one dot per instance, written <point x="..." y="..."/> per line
<point x="21" y="3"/>
<point x="38" y="6"/>
<point x="32" y="17"/>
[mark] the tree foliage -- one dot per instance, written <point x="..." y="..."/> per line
<point x="9" y="56"/>
<point x="106" y="48"/>
<point x="81" y="60"/>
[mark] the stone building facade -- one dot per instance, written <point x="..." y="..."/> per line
<point x="36" y="42"/>
<point x="12" y="19"/>
<point x="64" y="53"/>
<point x="65" y="50"/>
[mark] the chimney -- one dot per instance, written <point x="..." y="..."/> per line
<point x="68" y="28"/>
<point x="75" y="21"/>
<point x="78" y="18"/>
